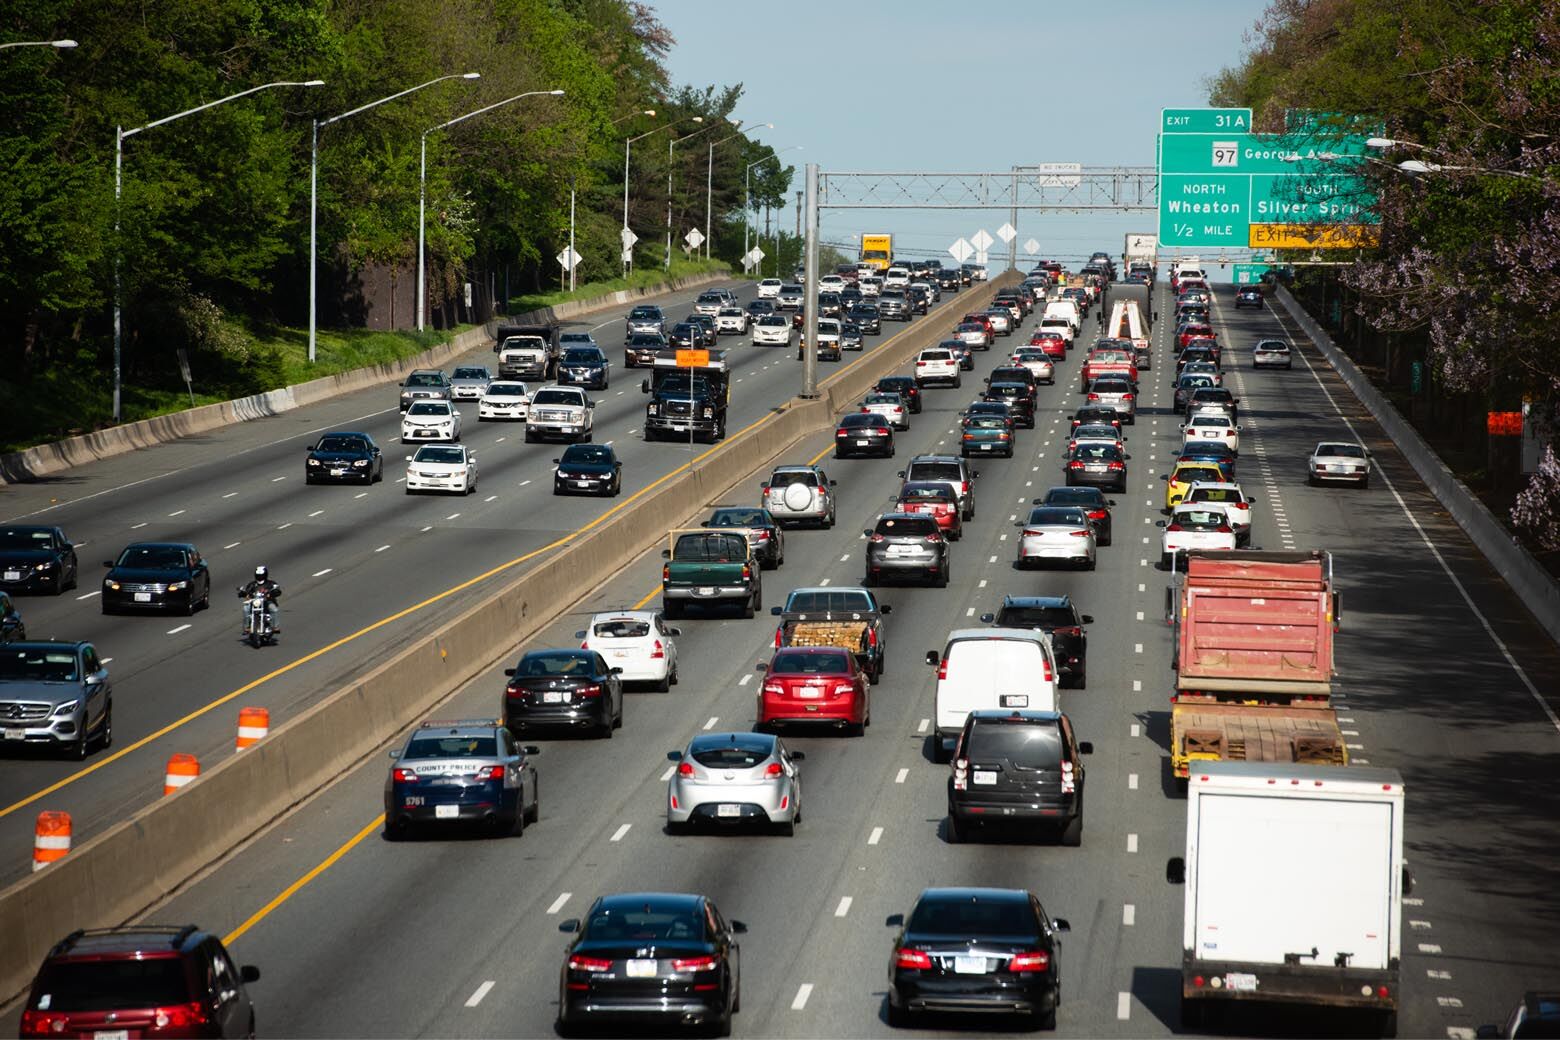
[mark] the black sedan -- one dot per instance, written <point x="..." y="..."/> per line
<point x="591" y="469"/>
<point x="961" y="350"/>
<point x="705" y="323"/>
<point x="157" y="576"/>
<point x="585" y="366"/>
<point x="1248" y="296"/>
<point x="36" y="557"/>
<point x="989" y="950"/>
<point x="1098" y="465"/>
<point x="1059" y="618"/>
<point x="866" y="315"/>
<point x="1096" y="413"/>
<point x="685" y="335"/>
<point x="904" y="386"/>
<point x="1020" y="399"/>
<point x="765" y="531"/>
<point x="344" y="457"/>
<point x="1092" y="500"/>
<point x="863" y="433"/>
<point x="563" y="688"/>
<point x="638" y="957"/>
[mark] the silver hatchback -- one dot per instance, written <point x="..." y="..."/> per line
<point x="1115" y="392"/>
<point x="727" y="779"/>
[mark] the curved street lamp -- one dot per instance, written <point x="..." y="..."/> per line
<point x="63" y="45"/>
<point x="628" y="251"/>
<point x="709" y="185"/>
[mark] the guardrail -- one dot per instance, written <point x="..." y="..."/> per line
<point x="117" y="875"/>
<point x="1534" y="586"/>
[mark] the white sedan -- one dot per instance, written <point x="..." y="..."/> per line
<point x="637" y="641"/>
<point x="504" y="399"/>
<point x="442" y="467"/>
<point x="431" y="421"/>
<point x="1194" y="527"/>
<point x="772" y="330"/>
<point x="1339" y="461"/>
<point x="769" y="288"/>
<point x="731" y="321"/>
<point x="1063" y="533"/>
<point x="1228" y="497"/>
<point x="1212" y="426"/>
<point x="1040" y="366"/>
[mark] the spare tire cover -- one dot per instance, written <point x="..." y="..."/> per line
<point x="797" y="497"/>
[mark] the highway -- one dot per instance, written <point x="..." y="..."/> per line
<point x="362" y="568"/>
<point x="1444" y="678"/>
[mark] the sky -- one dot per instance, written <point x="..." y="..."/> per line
<point x="1000" y="83"/>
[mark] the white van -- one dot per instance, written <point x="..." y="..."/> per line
<point x="990" y="668"/>
<point x="1065" y="309"/>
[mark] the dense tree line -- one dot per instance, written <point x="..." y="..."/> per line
<point x="1468" y="270"/>
<point x="214" y="218"/>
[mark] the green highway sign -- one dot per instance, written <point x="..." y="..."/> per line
<point x="1285" y="154"/>
<point x="1310" y="200"/>
<point x="1209" y="210"/>
<point x="1204" y="120"/>
<point x="1250" y="274"/>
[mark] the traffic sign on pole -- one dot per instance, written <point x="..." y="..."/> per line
<point x="1058" y="174"/>
<point x="1006" y="233"/>
<point x="981" y="240"/>
<point x="694" y="239"/>
<point x="1031" y="247"/>
<point x="628" y="238"/>
<point x="568" y="258"/>
<point x="961" y="250"/>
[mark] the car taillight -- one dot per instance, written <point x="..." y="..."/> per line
<point x="490" y="773"/>
<point x="1098" y="514"/>
<point x="842" y="432"/>
<point x="1037" y="960"/>
<point x="934" y="538"/>
<point x="666" y="573"/>
<point x="961" y="774"/>
<point x="747" y="571"/>
<point x="1069" y="782"/>
<point x="775" y="688"/>
<point x="685" y="769"/>
<point x="1094" y="397"/>
<point x="881" y="431"/>
<point x="657" y="651"/>
<point x="1080" y="534"/>
<point x="1075" y="465"/>
<point x="1229" y="433"/>
<point x="913" y="959"/>
<point x="942" y="669"/>
<point x="403" y="776"/>
<point x="579" y="962"/>
<point x="920" y="364"/>
<point x="594" y="690"/>
<point x="696" y="964"/>
<point x="964" y="487"/>
<point x="1126" y="397"/>
<point x="178" y="1016"/>
<point x="1175" y="527"/>
<point x="774" y="769"/>
<point x="872" y="638"/>
<point x="1118" y="465"/>
<point x="1224" y="529"/>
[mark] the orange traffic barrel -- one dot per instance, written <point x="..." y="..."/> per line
<point x="254" y="724"/>
<point x="182" y="769"/>
<point x="51" y="838"/>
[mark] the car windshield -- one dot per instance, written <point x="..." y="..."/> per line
<point x="1348" y="451"/>
<point x="620" y="628"/>
<point x="152" y="556"/>
<point x="906" y="526"/>
<point x="936" y="355"/>
<point x="586" y="453"/>
<point x="1218" y="448"/>
<point x="36" y="665"/>
<point x="1111" y="386"/>
<point x="1211" y="420"/>
<point x="1097" y="451"/>
<point x="883" y="398"/>
<point x="1214" y="494"/>
<point x="554" y="663"/>
<point x="813" y="663"/>
<point x="451" y="747"/>
<point x="645" y="314"/>
<point x="506" y="389"/>
<point x="710" y="548"/>
<point x="582" y="355"/>
<point x="828" y="601"/>
<point x="741" y="753"/>
<point x="111" y="984"/>
<point x="444" y="454"/>
<point x="1057" y="516"/>
<point x="1192" y="474"/>
<point x="774" y="320"/>
<point x="739" y="518"/>
<point x="429" y="408"/>
<point x="340" y="443"/>
<point x="555" y="396"/>
<point x="985" y="422"/>
<point x="425" y="379"/>
<point x="22" y="538"/>
<point x="471" y="373"/>
<point x="861" y="420"/>
<point x="643" y="924"/>
<point x="1025" y="746"/>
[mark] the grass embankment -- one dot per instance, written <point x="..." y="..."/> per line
<point x="639" y="278"/>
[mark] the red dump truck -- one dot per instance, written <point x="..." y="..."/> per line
<point x="1254" y="659"/>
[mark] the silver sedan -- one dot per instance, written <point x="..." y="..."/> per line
<point x="734" y="778"/>
<point x="1343" y="461"/>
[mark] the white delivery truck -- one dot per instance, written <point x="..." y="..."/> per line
<point x="1294" y="882"/>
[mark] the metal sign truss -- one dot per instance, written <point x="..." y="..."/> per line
<point x="1121" y="188"/>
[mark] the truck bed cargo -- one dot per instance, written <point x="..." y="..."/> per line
<point x="1304" y="733"/>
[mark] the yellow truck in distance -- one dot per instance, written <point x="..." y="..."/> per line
<point x="878" y="250"/>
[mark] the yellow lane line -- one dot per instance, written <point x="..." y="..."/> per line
<point x="293" y="889"/>
<point x="322" y="651"/>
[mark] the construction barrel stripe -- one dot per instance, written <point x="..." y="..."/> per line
<point x="51" y="838"/>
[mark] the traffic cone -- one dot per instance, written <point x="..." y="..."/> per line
<point x="254" y="724"/>
<point x="51" y="838"/>
<point x="182" y="769"/>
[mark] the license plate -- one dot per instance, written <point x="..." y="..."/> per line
<point x="582" y="483"/>
<point x="112" y="1034"/>
<point x="336" y="472"/>
<point x="986" y="447"/>
<point x="1240" y="982"/>
<point x="728" y="810"/>
<point x="552" y="697"/>
<point x="706" y="590"/>
<point x="640" y="968"/>
<point x="863" y="443"/>
<point x="143" y="597"/>
<point x="902" y="550"/>
<point x="1015" y="700"/>
<point x="620" y="654"/>
<point x="969" y="965"/>
<point x="13" y="575"/>
<point x="810" y="691"/>
<point x="1094" y="469"/>
<point x="985" y="776"/>
<point x="15" y="734"/>
<point x="446" y="812"/>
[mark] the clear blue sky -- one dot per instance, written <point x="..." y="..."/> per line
<point x="1013" y="82"/>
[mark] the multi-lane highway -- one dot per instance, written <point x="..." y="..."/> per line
<point x="1443" y="675"/>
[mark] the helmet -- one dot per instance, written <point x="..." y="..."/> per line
<point x="261" y="573"/>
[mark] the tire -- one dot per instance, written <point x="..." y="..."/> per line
<point x="898" y="1017"/>
<point x="79" y="748"/>
<point x="106" y="730"/>
<point x="786" y="829"/>
<point x="957" y="833"/>
<point x="536" y="803"/>
<point x="663" y="685"/>
<point x="1081" y="680"/>
<point x="1044" y="1020"/>
<point x="1072" y="832"/>
<point x="942" y="578"/>
<point x="516" y="827"/>
<point x="1192" y="1016"/>
<point x="749" y="608"/>
<point x="675" y="678"/>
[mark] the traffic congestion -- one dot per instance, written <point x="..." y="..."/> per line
<point x="861" y="686"/>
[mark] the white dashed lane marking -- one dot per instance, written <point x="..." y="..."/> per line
<point x="557" y="904"/>
<point x="482" y="991"/>
<point x="802" y="993"/>
<point x="617" y="835"/>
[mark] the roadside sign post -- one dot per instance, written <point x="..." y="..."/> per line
<point x="961" y="250"/>
<point x="691" y="359"/>
<point x="981" y="240"/>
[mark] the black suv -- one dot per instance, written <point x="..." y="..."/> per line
<point x="1058" y="617"/>
<point x="147" y="980"/>
<point x="1017" y="767"/>
<point x="1020" y="399"/>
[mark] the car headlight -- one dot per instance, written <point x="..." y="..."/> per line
<point x="111" y="585"/>
<point x="360" y="463"/>
<point x="178" y="586"/>
<point x="68" y="708"/>
<point x="709" y="413"/>
<point x="314" y="462"/>
<point x="45" y="565"/>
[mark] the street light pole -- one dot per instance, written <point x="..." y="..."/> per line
<point x="422" y="190"/>
<point x="709" y="191"/>
<point x="747" y="205"/>
<point x="314" y="180"/>
<point x="63" y="45"/>
<point x="628" y="251"/>
<point x="667" y="263"/>
<point x="120" y="133"/>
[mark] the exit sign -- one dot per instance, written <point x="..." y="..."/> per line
<point x="1204" y="120"/>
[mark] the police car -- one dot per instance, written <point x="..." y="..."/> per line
<point x="461" y="771"/>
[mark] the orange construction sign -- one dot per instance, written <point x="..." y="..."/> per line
<point x="693" y="358"/>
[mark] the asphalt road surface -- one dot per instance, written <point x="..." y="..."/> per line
<point x="1444" y="678"/>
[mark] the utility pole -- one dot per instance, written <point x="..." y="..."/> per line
<point x="809" y="290"/>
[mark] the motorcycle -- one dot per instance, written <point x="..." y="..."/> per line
<point x="257" y="619"/>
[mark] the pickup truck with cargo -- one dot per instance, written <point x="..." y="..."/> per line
<point x="710" y="567"/>
<point x="847" y="617"/>
<point x="1109" y="360"/>
<point x="526" y="351"/>
<point x="1295" y="882"/>
<point x="687" y="401"/>
<point x="1254" y="659"/>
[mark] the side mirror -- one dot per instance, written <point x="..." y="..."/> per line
<point x="798" y="756"/>
<point x="894" y="921"/>
<point x="616" y="671"/>
<point x="408" y="458"/>
<point x="1112" y="501"/>
<point x="884" y="608"/>
<point x="834" y="483"/>
<point x="394" y="754"/>
<point x="555" y="462"/>
<point x="901" y="474"/>
<point x="1165" y="477"/>
<point x="1088" y="619"/>
<point x="1127" y="458"/>
<point x="931" y="658"/>
<point x="738" y="928"/>
<point x="987" y="619"/>
<point x="509" y="672"/>
<point x="666" y="554"/>
<point x="865" y="534"/>
<point x="1061" y="924"/>
<point x="675" y="631"/>
<point x="571" y="925"/>
<point x="1175" y="870"/>
<point x="249" y="973"/>
<point x="579" y="635"/>
<point x="674" y="756"/>
<point x="762" y="666"/>
<point x="1085" y="747"/>
<point x="108" y="563"/>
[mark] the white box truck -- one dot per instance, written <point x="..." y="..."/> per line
<point x="1294" y="882"/>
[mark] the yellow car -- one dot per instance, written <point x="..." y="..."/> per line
<point x="1184" y="476"/>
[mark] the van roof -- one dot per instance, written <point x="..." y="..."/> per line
<point x="1027" y="635"/>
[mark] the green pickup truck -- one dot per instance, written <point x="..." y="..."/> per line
<point x="710" y="567"/>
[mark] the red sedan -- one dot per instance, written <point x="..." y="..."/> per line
<point x="814" y="684"/>
<point x="1055" y="347"/>
<point x="935" y="499"/>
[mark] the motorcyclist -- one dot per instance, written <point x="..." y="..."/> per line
<point x="272" y="591"/>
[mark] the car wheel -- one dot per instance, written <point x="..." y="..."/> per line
<point x="679" y="829"/>
<point x="530" y="438"/>
<point x="664" y="684"/>
<point x="1072" y="831"/>
<point x="786" y="829"/>
<point x="942" y="578"/>
<point x="106" y="729"/>
<point x="957" y="832"/>
<point x="898" y="1017"/>
<point x="516" y="826"/>
<point x="674" y="678"/>
<point x="1044" y="1020"/>
<point x="78" y="749"/>
<point x="604" y="729"/>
